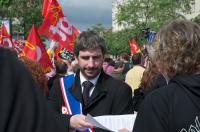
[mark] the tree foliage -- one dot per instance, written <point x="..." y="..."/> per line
<point x="151" y="13"/>
<point x="136" y="15"/>
<point x="27" y="11"/>
<point x="117" y="42"/>
<point x="197" y="19"/>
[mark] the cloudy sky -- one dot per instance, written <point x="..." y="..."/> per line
<point x="87" y="13"/>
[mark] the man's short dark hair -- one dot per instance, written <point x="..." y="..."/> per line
<point x="61" y="67"/>
<point x="89" y="40"/>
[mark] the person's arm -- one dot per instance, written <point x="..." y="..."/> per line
<point x="122" y="103"/>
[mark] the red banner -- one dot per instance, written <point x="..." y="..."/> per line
<point x="45" y="7"/>
<point x="56" y="27"/>
<point x="70" y="45"/>
<point x="5" y="38"/>
<point x="34" y="49"/>
<point x="133" y="46"/>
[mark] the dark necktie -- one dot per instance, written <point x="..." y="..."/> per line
<point x="87" y="85"/>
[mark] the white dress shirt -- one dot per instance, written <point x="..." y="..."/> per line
<point x="93" y="81"/>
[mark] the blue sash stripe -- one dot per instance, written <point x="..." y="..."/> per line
<point x="74" y="104"/>
<point x="87" y="130"/>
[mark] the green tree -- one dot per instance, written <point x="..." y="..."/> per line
<point x="151" y="13"/>
<point x="99" y="28"/>
<point x="117" y="42"/>
<point x="136" y="15"/>
<point x="27" y="11"/>
<point x="197" y="19"/>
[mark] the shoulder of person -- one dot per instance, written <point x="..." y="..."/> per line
<point x="161" y="96"/>
<point x="118" y="84"/>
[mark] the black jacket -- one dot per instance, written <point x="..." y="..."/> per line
<point x="174" y="108"/>
<point x="110" y="96"/>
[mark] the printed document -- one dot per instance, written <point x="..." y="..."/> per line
<point x="113" y="122"/>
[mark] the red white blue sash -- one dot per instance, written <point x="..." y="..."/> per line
<point x="72" y="105"/>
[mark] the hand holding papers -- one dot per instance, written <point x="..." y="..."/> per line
<point x="78" y="122"/>
<point x="113" y="123"/>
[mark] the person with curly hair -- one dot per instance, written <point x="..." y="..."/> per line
<point x="37" y="73"/>
<point x="175" y="107"/>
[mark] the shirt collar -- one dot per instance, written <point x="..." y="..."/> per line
<point x="93" y="81"/>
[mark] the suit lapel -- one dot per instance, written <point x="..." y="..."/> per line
<point x="99" y="90"/>
<point x="75" y="90"/>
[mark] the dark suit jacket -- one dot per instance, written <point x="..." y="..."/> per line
<point x="110" y="97"/>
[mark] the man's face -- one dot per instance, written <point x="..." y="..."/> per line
<point x="90" y="62"/>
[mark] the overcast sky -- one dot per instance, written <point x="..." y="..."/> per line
<point x="87" y="13"/>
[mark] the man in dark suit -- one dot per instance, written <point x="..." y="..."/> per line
<point x="106" y="95"/>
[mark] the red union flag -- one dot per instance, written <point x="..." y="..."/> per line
<point x="45" y="7"/>
<point x="55" y="25"/>
<point x="133" y="46"/>
<point x="70" y="45"/>
<point x="34" y="49"/>
<point x="5" y="38"/>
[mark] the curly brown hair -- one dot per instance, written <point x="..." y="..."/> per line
<point x="37" y="73"/>
<point x="149" y="76"/>
<point x="177" y="48"/>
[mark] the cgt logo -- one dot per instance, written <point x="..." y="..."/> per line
<point x="32" y="48"/>
<point x="62" y="28"/>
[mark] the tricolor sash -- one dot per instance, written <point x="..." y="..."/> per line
<point x="72" y="105"/>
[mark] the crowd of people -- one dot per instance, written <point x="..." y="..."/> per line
<point x="161" y="85"/>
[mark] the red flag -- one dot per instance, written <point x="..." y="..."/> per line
<point x="75" y="34"/>
<point x="133" y="46"/>
<point x="34" y="49"/>
<point x="5" y="38"/>
<point x="46" y="4"/>
<point x="143" y="46"/>
<point x="70" y="45"/>
<point x="55" y="26"/>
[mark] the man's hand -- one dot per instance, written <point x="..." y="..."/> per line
<point x="78" y="122"/>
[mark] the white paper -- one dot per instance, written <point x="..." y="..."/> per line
<point x="113" y="122"/>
